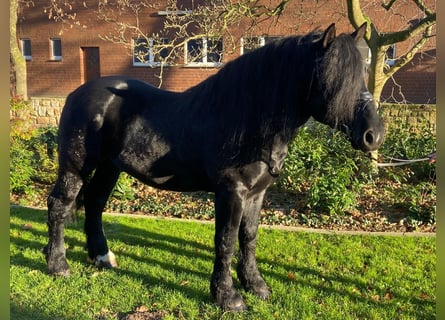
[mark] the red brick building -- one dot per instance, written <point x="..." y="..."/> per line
<point x="61" y="57"/>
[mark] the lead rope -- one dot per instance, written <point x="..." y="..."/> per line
<point x="431" y="158"/>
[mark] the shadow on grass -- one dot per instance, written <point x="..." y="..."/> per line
<point x="200" y="252"/>
<point x="323" y="282"/>
<point x="120" y="235"/>
<point x="27" y="312"/>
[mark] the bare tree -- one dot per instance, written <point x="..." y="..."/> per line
<point x="419" y="30"/>
<point x="212" y="20"/>
<point x="17" y="61"/>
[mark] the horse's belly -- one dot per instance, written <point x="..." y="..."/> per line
<point x="181" y="183"/>
<point x="159" y="160"/>
<point x="165" y="173"/>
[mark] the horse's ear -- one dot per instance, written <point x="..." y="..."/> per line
<point x="359" y="33"/>
<point x="329" y="35"/>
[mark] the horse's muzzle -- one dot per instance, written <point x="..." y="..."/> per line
<point x="371" y="140"/>
<point x="368" y="131"/>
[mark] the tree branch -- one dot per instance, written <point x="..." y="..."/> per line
<point x="408" y="56"/>
<point x="394" y="37"/>
<point x="419" y="3"/>
<point x="388" y="5"/>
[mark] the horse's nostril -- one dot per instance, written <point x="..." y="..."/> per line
<point x="369" y="137"/>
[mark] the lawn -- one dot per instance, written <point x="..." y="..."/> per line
<point x="165" y="266"/>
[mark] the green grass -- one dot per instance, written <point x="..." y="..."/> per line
<point x="166" y="265"/>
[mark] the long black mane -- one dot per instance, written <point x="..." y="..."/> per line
<point x="258" y="93"/>
<point x="341" y="75"/>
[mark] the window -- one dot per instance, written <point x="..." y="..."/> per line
<point x="55" y="47"/>
<point x="250" y="43"/>
<point x="391" y="55"/>
<point x="176" y="12"/>
<point x="204" y="52"/>
<point x="149" y="52"/>
<point x="25" y="47"/>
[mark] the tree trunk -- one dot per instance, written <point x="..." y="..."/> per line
<point x="376" y="82"/>
<point x="17" y="61"/>
<point x="377" y="78"/>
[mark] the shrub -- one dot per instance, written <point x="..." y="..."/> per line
<point x="44" y="155"/>
<point x="415" y="184"/>
<point x="33" y="156"/>
<point x="124" y="189"/>
<point x="21" y="170"/>
<point x="405" y="142"/>
<point x="322" y="164"/>
<point x="20" y="163"/>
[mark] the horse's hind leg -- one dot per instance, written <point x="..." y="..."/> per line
<point x="96" y="195"/>
<point x="60" y="205"/>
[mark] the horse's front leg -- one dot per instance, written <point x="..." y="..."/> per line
<point x="229" y="205"/>
<point x="247" y="269"/>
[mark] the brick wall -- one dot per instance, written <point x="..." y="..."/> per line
<point x="415" y="82"/>
<point x="58" y="78"/>
<point x="46" y="111"/>
<point x="415" y="116"/>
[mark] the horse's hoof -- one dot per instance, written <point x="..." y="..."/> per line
<point x="60" y="269"/>
<point x="231" y="301"/>
<point x="107" y="261"/>
<point x="62" y="273"/>
<point x="256" y="286"/>
<point x="57" y="264"/>
<point x="234" y="305"/>
<point x="263" y="293"/>
<point x="260" y="289"/>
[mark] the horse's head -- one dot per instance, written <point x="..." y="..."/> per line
<point x="366" y="130"/>
<point x="339" y="95"/>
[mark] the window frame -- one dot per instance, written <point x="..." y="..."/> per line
<point x="52" y="48"/>
<point x="152" y="58"/>
<point x="204" y="60"/>
<point x="25" y="43"/>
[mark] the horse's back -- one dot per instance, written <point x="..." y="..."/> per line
<point x="104" y="95"/>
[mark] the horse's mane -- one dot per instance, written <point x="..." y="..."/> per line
<point x="342" y="79"/>
<point x="258" y="94"/>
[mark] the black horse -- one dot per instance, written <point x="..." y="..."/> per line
<point x="227" y="135"/>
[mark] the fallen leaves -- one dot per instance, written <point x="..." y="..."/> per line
<point x="27" y="226"/>
<point x="386" y="297"/>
